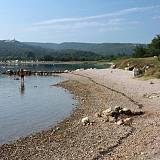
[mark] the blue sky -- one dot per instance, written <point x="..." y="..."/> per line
<point x="136" y="21"/>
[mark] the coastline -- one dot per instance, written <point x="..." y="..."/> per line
<point x="97" y="90"/>
<point x="48" y="62"/>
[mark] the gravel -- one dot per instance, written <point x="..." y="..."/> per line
<point x="96" y="90"/>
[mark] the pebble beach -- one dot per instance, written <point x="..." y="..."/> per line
<point x="96" y="90"/>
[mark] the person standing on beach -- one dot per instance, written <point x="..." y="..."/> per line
<point x="21" y="74"/>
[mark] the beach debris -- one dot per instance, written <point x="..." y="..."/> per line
<point x="151" y="82"/>
<point x="107" y="112"/>
<point x="85" y="121"/>
<point x="127" y="121"/>
<point x="98" y="114"/>
<point x="117" y="108"/>
<point x="152" y="96"/>
<point x="111" y="119"/>
<point x="120" y="122"/>
<point x="66" y="71"/>
<point x="137" y="113"/>
<point x="126" y="111"/>
<point x="126" y="68"/>
<point x="119" y="115"/>
<point x="113" y="66"/>
<point x="136" y="72"/>
<point x="57" y="128"/>
<point x="81" y="69"/>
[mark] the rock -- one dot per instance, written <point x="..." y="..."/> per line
<point x="16" y="78"/>
<point x="57" y="128"/>
<point x="127" y="121"/>
<point x="117" y="108"/>
<point x="85" y="121"/>
<point x="136" y="72"/>
<point x="120" y="122"/>
<point x="98" y="114"/>
<point x="106" y="119"/>
<point x="66" y="71"/>
<point x="115" y="114"/>
<point x="138" y="113"/>
<point x="111" y="119"/>
<point x="107" y="112"/>
<point x="113" y="66"/>
<point x="126" y="111"/>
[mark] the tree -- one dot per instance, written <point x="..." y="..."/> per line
<point x="30" y="56"/>
<point x="155" y="44"/>
<point x="48" y="58"/>
<point x="139" y="51"/>
<point x="152" y="49"/>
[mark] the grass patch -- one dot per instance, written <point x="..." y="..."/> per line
<point x="154" y="65"/>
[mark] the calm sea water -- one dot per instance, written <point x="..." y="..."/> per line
<point x="51" y="67"/>
<point x="36" y="107"/>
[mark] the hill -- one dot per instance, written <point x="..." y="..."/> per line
<point x="98" y="48"/>
<point x="17" y="50"/>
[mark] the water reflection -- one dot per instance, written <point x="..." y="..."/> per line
<point x="22" y="88"/>
<point x="39" y="108"/>
<point x="52" y="67"/>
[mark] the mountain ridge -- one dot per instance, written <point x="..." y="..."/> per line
<point x="13" y="49"/>
<point x="98" y="48"/>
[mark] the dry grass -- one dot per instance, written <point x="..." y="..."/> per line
<point x="154" y="63"/>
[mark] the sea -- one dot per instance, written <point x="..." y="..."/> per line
<point x="38" y="105"/>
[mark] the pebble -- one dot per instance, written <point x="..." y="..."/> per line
<point x="120" y="122"/>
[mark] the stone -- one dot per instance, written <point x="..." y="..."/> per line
<point x="85" y="120"/>
<point x="98" y="114"/>
<point x="136" y="72"/>
<point x="126" y="111"/>
<point x="107" y="112"/>
<point x="120" y="122"/>
<point x="127" y="121"/>
<point x="112" y="119"/>
<point x="117" y="108"/>
<point x="113" y="66"/>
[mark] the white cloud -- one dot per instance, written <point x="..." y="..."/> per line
<point x="114" y="21"/>
<point x="101" y="16"/>
<point x="109" y="24"/>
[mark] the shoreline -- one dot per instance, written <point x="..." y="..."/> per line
<point x="48" y="62"/>
<point x="69" y="139"/>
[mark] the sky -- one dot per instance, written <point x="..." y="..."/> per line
<point x="94" y="21"/>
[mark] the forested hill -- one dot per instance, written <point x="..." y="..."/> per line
<point x="98" y="48"/>
<point x="64" y="52"/>
<point x="17" y="50"/>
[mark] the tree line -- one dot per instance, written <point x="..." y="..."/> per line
<point x="152" y="49"/>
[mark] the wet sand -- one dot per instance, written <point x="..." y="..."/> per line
<point x="97" y="90"/>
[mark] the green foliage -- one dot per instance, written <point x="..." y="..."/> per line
<point x="153" y="49"/>
<point x="12" y="50"/>
<point x="155" y="44"/>
<point x="103" y="49"/>
<point x="139" y="51"/>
